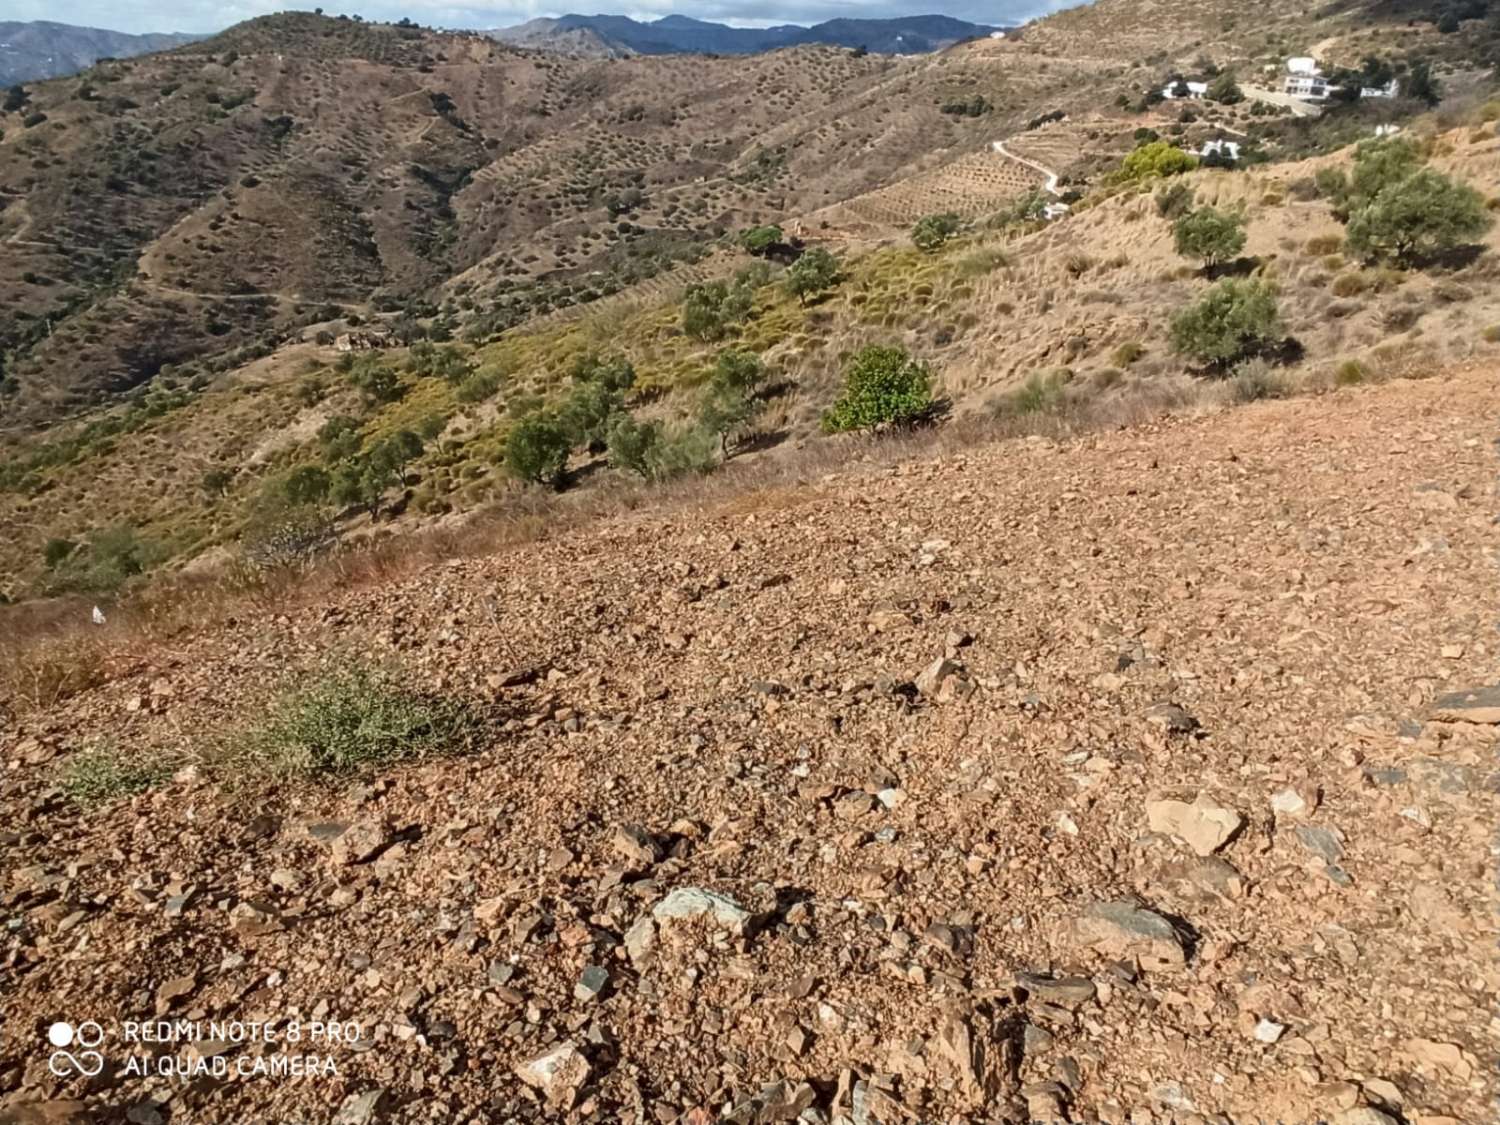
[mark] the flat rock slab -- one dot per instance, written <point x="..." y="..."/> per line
<point x="692" y="902"/>
<point x="1473" y="705"/>
<point x="1202" y="825"/>
<point x="1125" y="929"/>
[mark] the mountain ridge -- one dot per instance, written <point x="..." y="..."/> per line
<point x="37" y="49"/>
<point x="613" y="35"/>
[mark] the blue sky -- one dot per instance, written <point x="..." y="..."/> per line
<point x="212" y="15"/>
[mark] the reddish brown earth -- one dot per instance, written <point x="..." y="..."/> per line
<point x="1302" y="580"/>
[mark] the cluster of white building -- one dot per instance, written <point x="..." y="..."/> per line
<point x="1304" y="79"/>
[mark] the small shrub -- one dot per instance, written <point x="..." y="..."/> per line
<point x="348" y="720"/>
<point x="1350" y="373"/>
<point x="1174" y="200"/>
<point x="1322" y="245"/>
<point x="1492" y="334"/>
<point x="1349" y="284"/>
<point x="1041" y="393"/>
<point x="883" y="385"/>
<point x="1256" y="379"/>
<point x="101" y="773"/>
<point x="1127" y="353"/>
<point x="478" y="387"/>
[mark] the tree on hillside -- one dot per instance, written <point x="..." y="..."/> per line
<point x="729" y="401"/>
<point x="306" y="484"/>
<point x="536" y="450"/>
<point x="931" y="231"/>
<point x="758" y="240"/>
<point x="1211" y="235"/>
<point x="1231" y="320"/>
<point x="883" y="385"/>
<point x="814" y="272"/>
<point x="710" y="308"/>
<point x="1225" y="90"/>
<point x="596" y="397"/>
<point x="1422" y="215"/>
<point x="632" y="444"/>
<point x="339" y="437"/>
<point x="1420" y="84"/>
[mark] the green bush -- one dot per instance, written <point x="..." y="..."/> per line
<point x="101" y="773"/>
<point x="1210" y="235"/>
<point x="931" y="231"/>
<point x="757" y="240"/>
<point x="1350" y="373"/>
<point x="1234" y="318"/>
<point x="348" y="720"/>
<point x="1157" y="159"/>
<point x="883" y="385"/>
<point x="1127" y="353"/>
<point x="106" y="562"/>
<point x="536" y="450"/>
<point x="57" y="551"/>
<point x="814" y="272"/>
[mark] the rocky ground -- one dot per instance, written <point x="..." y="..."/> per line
<point x="1116" y="780"/>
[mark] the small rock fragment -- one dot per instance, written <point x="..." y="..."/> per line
<point x="558" y="1074"/>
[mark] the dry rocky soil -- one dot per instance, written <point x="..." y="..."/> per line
<point x="1141" y="777"/>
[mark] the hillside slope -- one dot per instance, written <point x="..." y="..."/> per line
<point x="967" y="893"/>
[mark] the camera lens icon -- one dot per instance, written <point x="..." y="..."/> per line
<point x="63" y="1035"/>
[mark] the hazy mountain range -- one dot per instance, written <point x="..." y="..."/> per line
<point x="43" y="49"/>
<point x="617" y="36"/>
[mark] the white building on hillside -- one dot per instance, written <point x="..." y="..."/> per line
<point x="1193" y="90"/>
<point x="1228" y="150"/>
<point x="1389" y="90"/>
<point x="1309" y="87"/>
<point x="1303" y="64"/>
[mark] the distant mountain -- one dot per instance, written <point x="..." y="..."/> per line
<point x="41" y="49"/>
<point x="616" y="36"/>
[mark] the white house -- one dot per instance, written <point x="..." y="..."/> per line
<point x="1387" y="130"/>
<point x="1302" y="64"/>
<point x="1227" y="149"/>
<point x="1194" y="90"/>
<point x="997" y="35"/>
<point x="1053" y="211"/>
<point x="1309" y="87"/>
<point x="1389" y="90"/>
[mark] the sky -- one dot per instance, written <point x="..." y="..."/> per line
<point x="213" y="15"/>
